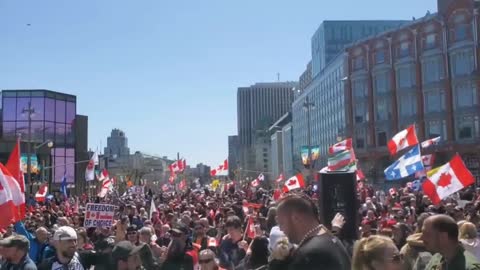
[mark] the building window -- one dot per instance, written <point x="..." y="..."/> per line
<point x="358" y="63"/>
<point x="434" y="101"/>
<point x="407" y="105"/>
<point x="361" y="114"/>
<point x="436" y="128"/>
<point x="462" y="62"/>
<point x="461" y="32"/>
<point x="380" y="57"/>
<point x="382" y="138"/>
<point x="432" y="69"/>
<point x="359" y="88"/>
<point x="382" y="82"/>
<point x="431" y="41"/>
<point x="383" y="109"/>
<point x="406" y="76"/>
<point x="360" y="138"/>
<point x="467" y="127"/>
<point x="404" y="50"/>
<point x="465" y="95"/>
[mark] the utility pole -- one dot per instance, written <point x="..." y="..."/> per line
<point x="309" y="106"/>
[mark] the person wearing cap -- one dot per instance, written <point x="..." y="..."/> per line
<point x="15" y="252"/>
<point x="66" y="256"/>
<point x="126" y="256"/>
<point x="180" y="254"/>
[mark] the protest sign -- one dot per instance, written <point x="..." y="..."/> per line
<point x="99" y="215"/>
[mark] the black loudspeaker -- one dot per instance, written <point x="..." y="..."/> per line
<point x="337" y="194"/>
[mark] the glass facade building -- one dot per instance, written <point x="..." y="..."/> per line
<point x="327" y="116"/>
<point x="332" y="37"/>
<point x="52" y="118"/>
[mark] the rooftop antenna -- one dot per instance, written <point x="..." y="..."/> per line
<point x="278" y="76"/>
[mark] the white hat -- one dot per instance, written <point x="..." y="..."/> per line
<point x="65" y="233"/>
<point x="275" y="235"/>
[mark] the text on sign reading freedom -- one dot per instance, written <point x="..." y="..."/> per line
<point x="99" y="215"/>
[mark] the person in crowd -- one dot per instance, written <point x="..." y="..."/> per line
<point x="208" y="260"/>
<point x="9" y="231"/>
<point x="469" y="239"/>
<point x="14" y="250"/>
<point x="83" y="243"/>
<point x="257" y="255"/>
<point x="38" y="242"/>
<point x="298" y="218"/>
<point x="440" y="235"/>
<point x="180" y="254"/>
<point x="200" y="237"/>
<point x="400" y="233"/>
<point x="126" y="256"/>
<point x="163" y="236"/>
<point x="376" y="253"/>
<point x="145" y="237"/>
<point x="271" y="219"/>
<point x="132" y="234"/>
<point x="415" y="256"/>
<point x="66" y="256"/>
<point x="232" y="250"/>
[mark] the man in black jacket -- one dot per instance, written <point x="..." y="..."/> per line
<point x="298" y="218"/>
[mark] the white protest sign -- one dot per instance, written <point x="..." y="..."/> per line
<point x="99" y="215"/>
<point x="137" y="190"/>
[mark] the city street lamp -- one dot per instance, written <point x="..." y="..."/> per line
<point x="308" y="106"/>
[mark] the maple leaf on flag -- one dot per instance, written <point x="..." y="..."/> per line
<point x="445" y="180"/>
<point x="292" y="182"/>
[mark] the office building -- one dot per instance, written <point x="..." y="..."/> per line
<point x="117" y="144"/>
<point x="52" y="116"/>
<point x="332" y="37"/>
<point x="233" y="155"/>
<point x="258" y="106"/>
<point x="281" y="146"/>
<point x="323" y="102"/>
<point x="425" y="73"/>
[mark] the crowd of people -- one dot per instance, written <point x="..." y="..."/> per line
<point x="247" y="229"/>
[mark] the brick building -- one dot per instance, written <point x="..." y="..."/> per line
<point x="425" y="72"/>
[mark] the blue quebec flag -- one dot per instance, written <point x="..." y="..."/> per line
<point x="406" y="165"/>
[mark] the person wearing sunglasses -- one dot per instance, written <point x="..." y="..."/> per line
<point x="376" y="253"/>
<point x="180" y="253"/>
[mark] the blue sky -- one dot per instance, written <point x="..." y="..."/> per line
<point x="166" y="72"/>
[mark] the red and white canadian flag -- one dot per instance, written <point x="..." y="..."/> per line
<point x="403" y="139"/>
<point x="18" y="197"/>
<point x="255" y="183"/>
<point x="14" y="167"/>
<point x="293" y="183"/>
<point x="431" y="142"/>
<point x="182" y="185"/>
<point x="250" y="228"/>
<point x="341" y="146"/>
<point x="7" y="208"/>
<point x="360" y="175"/>
<point x="428" y="160"/>
<point x="171" y="179"/>
<point x="447" y="179"/>
<point x="177" y="166"/>
<point x="41" y="193"/>
<point x="280" y="178"/>
<point x="221" y="170"/>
